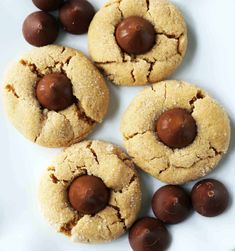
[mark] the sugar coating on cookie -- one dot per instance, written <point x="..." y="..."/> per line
<point x="155" y="65"/>
<point x="114" y="168"/>
<point x="47" y="127"/>
<point x="175" y="166"/>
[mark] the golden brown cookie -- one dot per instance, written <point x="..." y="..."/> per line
<point x="114" y="168"/>
<point x="173" y="165"/>
<point x="47" y="127"/>
<point x="156" y="64"/>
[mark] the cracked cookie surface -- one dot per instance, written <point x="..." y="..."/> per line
<point x="155" y="65"/>
<point x="175" y="166"/>
<point x="116" y="170"/>
<point x="50" y="128"/>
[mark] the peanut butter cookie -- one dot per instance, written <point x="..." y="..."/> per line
<point x="137" y="41"/>
<point x="91" y="192"/>
<point x="55" y="96"/>
<point x="175" y="131"/>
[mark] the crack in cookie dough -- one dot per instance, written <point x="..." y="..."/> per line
<point x="160" y="62"/>
<point x="67" y="227"/>
<point x="110" y="164"/>
<point x="93" y="152"/>
<point x="198" y="96"/>
<point x="119" y="216"/>
<point x="175" y="166"/>
<point x="135" y="134"/>
<point x="61" y="128"/>
<point x="10" y="88"/>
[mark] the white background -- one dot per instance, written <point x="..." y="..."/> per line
<point x="209" y="63"/>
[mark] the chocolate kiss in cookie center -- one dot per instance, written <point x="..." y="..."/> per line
<point x="135" y="35"/>
<point x="176" y="128"/>
<point x="88" y="194"/>
<point x="54" y="92"/>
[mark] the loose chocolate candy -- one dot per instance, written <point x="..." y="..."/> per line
<point x="149" y="234"/>
<point x="76" y="15"/>
<point x="135" y="35"/>
<point x="88" y="194"/>
<point x="210" y="197"/>
<point x="40" y="28"/>
<point x="176" y="128"/>
<point x="48" y="5"/>
<point x="54" y="92"/>
<point x="171" y="204"/>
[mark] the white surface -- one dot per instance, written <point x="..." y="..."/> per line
<point x="209" y="63"/>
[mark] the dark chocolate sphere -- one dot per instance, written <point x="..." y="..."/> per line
<point x="135" y="35"/>
<point x="48" y="5"/>
<point x="88" y="194"/>
<point x="176" y="128"/>
<point x="149" y="234"/>
<point x="54" y="92"/>
<point x="171" y="204"/>
<point x="76" y="15"/>
<point x="40" y="28"/>
<point x="210" y="197"/>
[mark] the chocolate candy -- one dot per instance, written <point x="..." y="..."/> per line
<point x="135" y="35"/>
<point x="171" y="204"/>
<point x="176" y="128"/>
<point x="48" y="5"/>
<point x="149" y="234"/>
<point x="76" y="15"/>
<point x="88" y="194"/>
<point x="40" y="28"/>
<point x="54" y="92"/>
<point x="210" y="197"/>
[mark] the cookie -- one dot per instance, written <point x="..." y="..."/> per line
<point x="149" y="64"/>
<point x="73" y="96"/>
<point x="95" y="159"/>
<point x="183" y="162"/>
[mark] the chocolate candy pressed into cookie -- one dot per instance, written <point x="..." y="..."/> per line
<point x="91" y="192"/>
<point x="136" y="42"/>
<point x="55" y="96"/>
<point x="175" y="131"/>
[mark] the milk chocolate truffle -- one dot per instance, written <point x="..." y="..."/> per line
<point x="210" y="197"/>
<point x="135" y="35"/>
<point x="40" y="28"/>
<point x="88" y="194"/>
<point x="54" y="92"/>
<point x="48" y="5"/>
<point x="171" y="204"/>
<point x="149" y="234"/>
<point x="176" y="128"/>
<point x="76" y="15"/>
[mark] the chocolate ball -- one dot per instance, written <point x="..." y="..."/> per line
<point x="176" y="128"/>
<point x="48" y="5"/>
<point x="209" y="197"/>
<point x="76" y="15"/>
<point x="40" y="28"/>
<point x="135" y="35"/>
<point x="54" y="92"/>
<point x="88" y="194"/>
<point x="171" y="204"/>
<point x="149" y="234"/>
